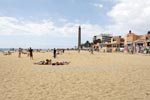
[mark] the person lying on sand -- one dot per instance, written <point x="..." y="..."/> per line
<point x="49" y="62"/>
<point x="61" y="63"/>
<point x="46" y="62"/>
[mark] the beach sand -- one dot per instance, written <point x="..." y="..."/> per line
<point x="102" y="76"/>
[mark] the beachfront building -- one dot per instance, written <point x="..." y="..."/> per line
<point x="102" y="41"/>
<point x="130" y="38"/>
<point x="136" y="43"/>
<point x="104" y="37"/>
<point x="148" y="39"/>
<point x="142" y="42"/>
<point x="117" y="42"/>
<point x="129" y="41"/>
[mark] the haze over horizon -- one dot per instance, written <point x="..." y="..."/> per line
<point x="54" y="23"/>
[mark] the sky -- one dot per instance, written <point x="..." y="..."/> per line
<point x="54" y="23"/>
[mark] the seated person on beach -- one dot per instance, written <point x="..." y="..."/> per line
<point x="7" y="53"/>
<point x="46" y="62"/>
<point x="61" y="63"/>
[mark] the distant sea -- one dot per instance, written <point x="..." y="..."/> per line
<point x="6" y="49"/>
<point x="13" y="49"/>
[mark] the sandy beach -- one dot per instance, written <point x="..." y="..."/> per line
<point x="102" y="76"/>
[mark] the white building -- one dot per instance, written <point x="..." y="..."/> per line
<point x="103" y="37"/>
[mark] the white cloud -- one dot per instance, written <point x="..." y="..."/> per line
<point x="57" y="36"/>
<point x="98" y="5"/>
<point x="14" y="26"/>
<point x="130" y="14"/>
<point x="125" y="15"/>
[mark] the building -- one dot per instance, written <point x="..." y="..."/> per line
<point x="148" y="39"/>
<point x="130" y="38"/>
<point x="130" y="43"/>
<point x="117" y="42"/>
<point x="103" y="37"/>
<point x="102" y="41"/>
<point x="136" y="43"/>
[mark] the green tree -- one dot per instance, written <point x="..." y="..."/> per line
<point x="86" y="44"/>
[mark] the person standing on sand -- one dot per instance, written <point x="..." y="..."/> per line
<point x="63" y="51"/>
<point x="54" y="53"/>
<point x="20" y="51"/>
<point x="31" y="53"/>
<point x="92" y="50"/>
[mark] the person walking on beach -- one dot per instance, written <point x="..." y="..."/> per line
<point x="92" y="50"/>
<point x="54" y="53"/>
<point x="28" y="53"/>
<point x="31" y="53"/>
<point x="20" y="51"/>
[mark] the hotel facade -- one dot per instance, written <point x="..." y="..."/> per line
<point x="130" y="43"/>
<point x="136" y="43"/>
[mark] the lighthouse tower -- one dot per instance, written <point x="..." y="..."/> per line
<point x="79" y="39"/>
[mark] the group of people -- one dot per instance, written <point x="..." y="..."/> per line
<point x="29" y="52"/>
<point x="49" y="62"/>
